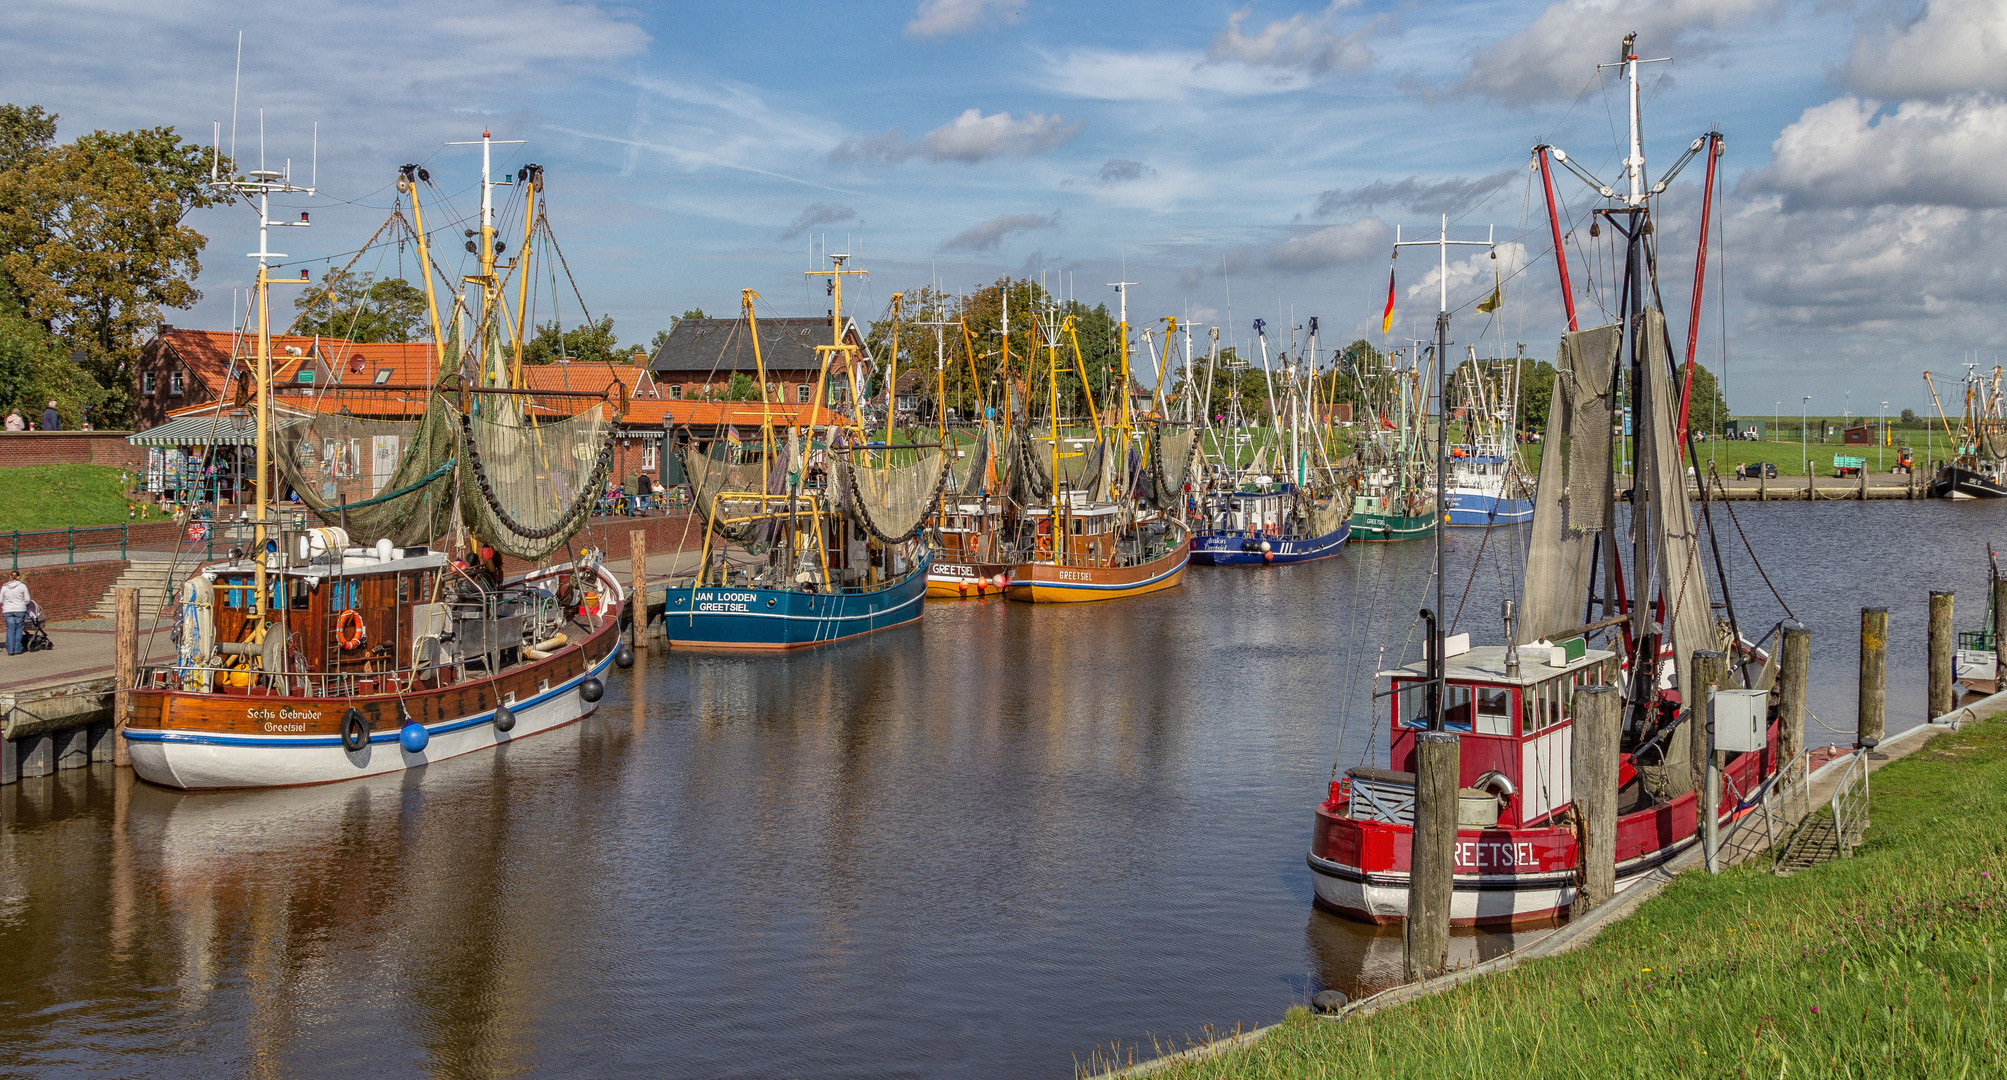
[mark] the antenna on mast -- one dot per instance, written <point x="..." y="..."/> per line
<point x="236" y="87"/>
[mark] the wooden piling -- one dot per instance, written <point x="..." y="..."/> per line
<point x="1763" y="485"/>
<point x="1793" y="665"/>
<point x="1999" y="639"/>
<point x="1432" y="859"/>
<point x="125" y="646"/>
<point x="1710" y="668"/>
<point x="1598" y="723"/>
<point x="1871" y="722"/>
<point x="1941" y="640"/>
<point x="637" y="540"/>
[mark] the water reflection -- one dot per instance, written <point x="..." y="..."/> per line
<point x="979" y="846"/>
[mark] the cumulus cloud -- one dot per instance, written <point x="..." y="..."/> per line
<point x="942" y="18"/>
<point x="1847" y="152"/>
<point x="1330" y="246"/>
<point x="818" y="214"/>
<point x="1469" y="277"/>
<point x="1414" y="193"/>
<point x="1951" y="47"/>
<point x="1549" y="59"/>
<point x="969" y="138"/>
<point x="1304" y="42"/>
<point x="989" y="234"/>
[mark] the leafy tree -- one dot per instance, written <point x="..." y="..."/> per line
<point x="742" y="388"/>
<point x="1536" y="394"/>
<point x="92" y="241"/>
<point x="358" y="308"/>
<point x="693" y="313"/>
<point x="1909" y="416"/>
<point x="593" y="342"/>
<point x="35" y="369"/>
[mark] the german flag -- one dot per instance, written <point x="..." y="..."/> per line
<point x="1387" y="316"/>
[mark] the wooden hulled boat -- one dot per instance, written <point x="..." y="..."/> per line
<point x="968" y="560"/>
<point x="1098" y="555"/>
<point x="305" y="658"/>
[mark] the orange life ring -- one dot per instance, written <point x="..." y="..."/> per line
<point x="351" y="637"/>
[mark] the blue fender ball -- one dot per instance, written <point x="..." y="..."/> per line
<point x="413" y="737"/>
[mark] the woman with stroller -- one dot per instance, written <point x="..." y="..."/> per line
<point x="14" y="603"/>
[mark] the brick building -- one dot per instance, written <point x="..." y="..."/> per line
<point x="700" y="357"/>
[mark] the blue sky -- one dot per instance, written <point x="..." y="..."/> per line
<point x="1267" y="149"/>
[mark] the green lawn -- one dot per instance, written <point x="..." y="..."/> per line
<point x="60" y="496"/>
<point x="1886" y="964"/>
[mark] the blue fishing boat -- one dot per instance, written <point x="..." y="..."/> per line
<point x="748" y="617"/>
<point x="1254" y="527"/>
<point x="806" y="541"/>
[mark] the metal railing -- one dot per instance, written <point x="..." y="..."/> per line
<point x="1850" y="802"/>
<point x="68" y="542"/>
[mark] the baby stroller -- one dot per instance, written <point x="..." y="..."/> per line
<point x="34" y="630"/>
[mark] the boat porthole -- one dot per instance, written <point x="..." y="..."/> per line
<point x="770" y="601"/>
<point x="354" y="730"/>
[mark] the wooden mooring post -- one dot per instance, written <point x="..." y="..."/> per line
<point x="637" y="592"/>
<point x="1793" y="665"/>
<point x="1999" y="639"/>
<point x="1871" y="714"/>
<point x="1941" y="640"/>
<point x="125" y="645"/>
<point x="1432" y="858"/>
<point x="1593" y="759"/>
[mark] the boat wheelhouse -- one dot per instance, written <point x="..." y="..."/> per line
<point x="968" y="559"/>
<point x="1260" y="522"/>
<point x="1091" y="550"/>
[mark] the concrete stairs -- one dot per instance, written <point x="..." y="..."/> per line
<point x="154" y="577"/>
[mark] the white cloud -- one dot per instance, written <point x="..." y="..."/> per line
<point x="1550" y="58"/>
<point x="1470" y="278"/>
<point x="818" y="214"/>
<point x="969" y="138"/>
<point x="1330" y="246"/>
<point x="1413" y="193"/>
<point x="989" y="234"/>
<point x="1951" y="47"/>
<point x="1169" y="75"/>
<point x="1848" y="153"/>
<point x="1301" y="42"/>
<point x="941" y="18"/>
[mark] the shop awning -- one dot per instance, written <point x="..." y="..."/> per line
<point x="201" y="429"/>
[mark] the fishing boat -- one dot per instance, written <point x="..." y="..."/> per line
<point x="1255" y="519"/>
<point x="1486" y="486"/>
<point x="831" y="534"/>
<point x="1516" y="856"/>
<point x="1086" y="534"/>
<point x="1396" y="498"/>
<point x="967" y="532"/>
<point x="1978" y="470"/>
<point x="324" y="652"/>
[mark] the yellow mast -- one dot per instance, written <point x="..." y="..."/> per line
<point x="407" y="182"/>
<point x="1080" y="367"/>
<point x="892" y="371"/>
<point x="1052" y="415"/>
<point x="534" y="182"/>
<point x="836" y="275"/>
<point x="746" y="298"/>
<point x="264" y="442"/>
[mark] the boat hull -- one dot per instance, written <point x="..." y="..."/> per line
<point x="201" y="741"/>
<point x="965" y="581"/>
<point x="1481" y="510"/>
<point x="1503" y="875"/>
<point x="712" y="617"/>
<point x="1045" y="583"/>
<point x="1240" y="548"/>
<point x="1390" y="528"/>
<point x="1958" y="482"/>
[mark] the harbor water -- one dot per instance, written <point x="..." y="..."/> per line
<point x="995" y="844"/>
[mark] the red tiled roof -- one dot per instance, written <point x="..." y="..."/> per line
<point x="208" y="355"/>
<point x="649" y="412"/>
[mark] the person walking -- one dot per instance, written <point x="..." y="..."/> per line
<point x="14" y="607"/>
<point x="14" y="420"/>
<point x="51" y="421"/>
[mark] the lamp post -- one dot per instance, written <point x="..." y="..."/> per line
<point x="1776" y="418"/>
<point x="1881" y="434"/>
<point x="1804" y="447"/>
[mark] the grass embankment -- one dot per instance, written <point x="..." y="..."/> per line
<point x="60" y="496"/>
<point x="1886" y="964"/>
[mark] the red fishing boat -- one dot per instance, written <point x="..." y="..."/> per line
<point x="1639" y="616"/>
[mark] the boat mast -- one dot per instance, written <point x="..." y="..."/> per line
<point x="263" y="183"/>
<point x="493" y="369"/>
<point x="1442" y="243"/>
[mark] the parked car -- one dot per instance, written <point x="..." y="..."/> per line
<point x="1755" y="470"/>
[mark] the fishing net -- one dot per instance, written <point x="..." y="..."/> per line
<point x="982" y="467"/>
<point x="529" y="482"/>
<point x="1993" y="439"/>
<point x="725" y="467"/>
<point x="1173" y="454"/>
<point x="395" y="469"/>
<point x="1572" y="502"/>
<point x="892" y="490"/>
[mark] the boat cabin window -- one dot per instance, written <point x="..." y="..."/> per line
<point x="303" y="594"/>
<point x="1494" y="710"/>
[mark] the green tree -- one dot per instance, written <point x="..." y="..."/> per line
<point x="692" y="313"/>
<point x="1536" y="394"/>
<point x="92" y="241"/>
<point x="356" y="308"/>
<point x="593" y="342"/>
<point x="1909" y="416"/>
<point x="1706" y="411"/>
<point x="35" y="369"/>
